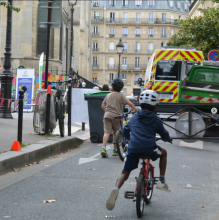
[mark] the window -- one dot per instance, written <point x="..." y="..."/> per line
<point x="112" y="17"/>
<point x="171" y="4"/>
<point x="111" y="47"/>
<point x="95" y="46"/>
<point x="172" y="32"/>
<point x="137" y="47"/>
<point x="168" y="70"/>
<point x="179" y="17"/>
<point x="164" y="17"/>
<point x="124" y="3"/>
<point x="111" y="77"/>
<point x="112" y="3"/>
<point x="138" y="17"/>
<point x="94" y="80"/>
<point x="137" y="32"/>
<point x="204" y="77"/>
<point x="111" y="62"/>
<point x="95" y="31"/>
<point x="125" y="47"/>
<point x="137" y="62"/>
<point x="125" y="17"/>
<point x="96" y="3"/>
<point x="151" y="3"/>
<point x="94" y="77"/>
<point x="96" y="15"/>
<point x="124" y="32"/>
<point x="136" y="79"/>
<point x="186" y="6"/>
<point x="138" y="3"/>
<point x="172" y="18"/>
<point x="112" y="31"/>
<point x="164" y="33"/>
<point x="95" y="62"/>
<point x="150" y="32"/>
<point x="123" y="76"/>
<point x="163" y="44"/>
<point x="151" y="18"/>
<point x="179" y="4"/>
<point x="124" y="63"/>
<point x="216" y="77"/>
<point x="150" y="47"/>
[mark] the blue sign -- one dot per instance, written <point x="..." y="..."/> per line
<point x="213" y="55"/>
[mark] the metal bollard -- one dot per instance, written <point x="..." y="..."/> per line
<point x="20" y="116"/>
<point x="69" y="107"/>
<point x="83" y="126"/>
<point x="47" y="113"/>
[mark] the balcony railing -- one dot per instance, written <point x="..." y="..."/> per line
<point x="111" y="50"/>
<point x="95" y="49"/>
<point x="95" y="81"/>
<point x="95" y="67"/>
<point x="97" y="19"/>
<point x="125" y="35"/>
<point x="141" y="21"/>
<point x="132" y="67"/>
<point x="112" y="66"/>
<point x="150" y="35"/>
<point x="111" y="35"/>
<point x="137" y="50"/>
<point x="95" y="34"/>
<point x="137" y="35"/>
<point x="124" y="50"/>
<point x="150" y="51"/>
<point x="110" y="81"/>
<point x="163" y="36"/>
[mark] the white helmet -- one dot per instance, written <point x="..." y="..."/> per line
<point x="149" y="97"/>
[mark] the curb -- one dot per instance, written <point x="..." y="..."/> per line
<point x="35" y="152"/>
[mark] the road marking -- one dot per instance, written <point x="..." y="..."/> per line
<point x="89" y="159"/>
<point x="197" y="144"/>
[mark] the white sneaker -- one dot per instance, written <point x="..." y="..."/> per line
<point x="163" y="186"/>
<point x="110" y="204"/>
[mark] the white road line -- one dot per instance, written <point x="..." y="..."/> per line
<point x="197" y="144"/>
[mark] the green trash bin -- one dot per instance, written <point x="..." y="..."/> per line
<point x="96" y="114"/>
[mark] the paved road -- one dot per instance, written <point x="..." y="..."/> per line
<point x="81" y="190"/>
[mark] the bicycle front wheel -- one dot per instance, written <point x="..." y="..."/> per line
<point x="149" y="186"/>
<point x="140" y="196"/>
<point x="121" y="146"/>
<point x="60" y="118"/>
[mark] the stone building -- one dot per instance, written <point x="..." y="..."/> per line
<point x="29" y="41"/>
<point x="143" y="26"/>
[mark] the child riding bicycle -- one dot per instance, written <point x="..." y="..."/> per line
<point x="112" y="105"/>
<point x="143" y="127"/>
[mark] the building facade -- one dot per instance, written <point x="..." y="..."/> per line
<point x="143" y="27"/>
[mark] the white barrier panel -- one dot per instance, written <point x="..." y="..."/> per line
<point x="79" y="107"/>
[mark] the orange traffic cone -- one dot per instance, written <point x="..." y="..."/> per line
<point x="16" y="146"/>
<point x="49" y="91"/>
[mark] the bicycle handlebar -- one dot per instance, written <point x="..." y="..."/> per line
<point x="170" y="141"/>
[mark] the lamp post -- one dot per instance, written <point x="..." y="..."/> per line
<point x="119" y="49"/>
<point x="71" y="3"/>
<point x="7" y="75"/>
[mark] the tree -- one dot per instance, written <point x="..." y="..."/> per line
<point x="200" y="32"/>
<point x="7" y="5"/>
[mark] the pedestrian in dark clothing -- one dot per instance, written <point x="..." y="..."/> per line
<point x="105" y="87"/>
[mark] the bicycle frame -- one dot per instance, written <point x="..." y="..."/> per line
<point x="144" y="171"/>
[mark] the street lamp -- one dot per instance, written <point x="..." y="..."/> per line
<point x="119" y="49"/>
<point x="7" y="75"/>
<point x="71" y="3"/>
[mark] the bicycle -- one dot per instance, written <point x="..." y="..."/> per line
<point x="121" y="141"/>
<point x="144" y="185"/>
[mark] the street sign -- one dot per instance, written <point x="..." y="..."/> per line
<point x="56" y="15"/>
<point x="213" y="55"/>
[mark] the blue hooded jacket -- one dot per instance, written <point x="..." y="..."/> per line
<point x="143" y="127"/>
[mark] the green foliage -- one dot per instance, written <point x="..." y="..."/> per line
<point x="7" y="5"/>
<point x="200" y="32"/>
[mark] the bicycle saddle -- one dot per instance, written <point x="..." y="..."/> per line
<point x="144" y="157"/>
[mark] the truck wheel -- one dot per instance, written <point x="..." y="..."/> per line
<point x="94" y="138"/>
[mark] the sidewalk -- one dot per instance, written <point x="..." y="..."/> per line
<point x="37" y="147"/>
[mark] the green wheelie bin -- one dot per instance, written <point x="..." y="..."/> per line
<point x="96" y="114"/>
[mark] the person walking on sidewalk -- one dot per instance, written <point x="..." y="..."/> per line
<point x="112" y="105"/>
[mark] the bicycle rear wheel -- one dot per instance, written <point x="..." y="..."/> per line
<point x="61" y="117"/>
<point x="121" y="146"/>
<point x="149" y="187"/>
<point x="36" y="120"/>
<point x="140" y="196"/>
